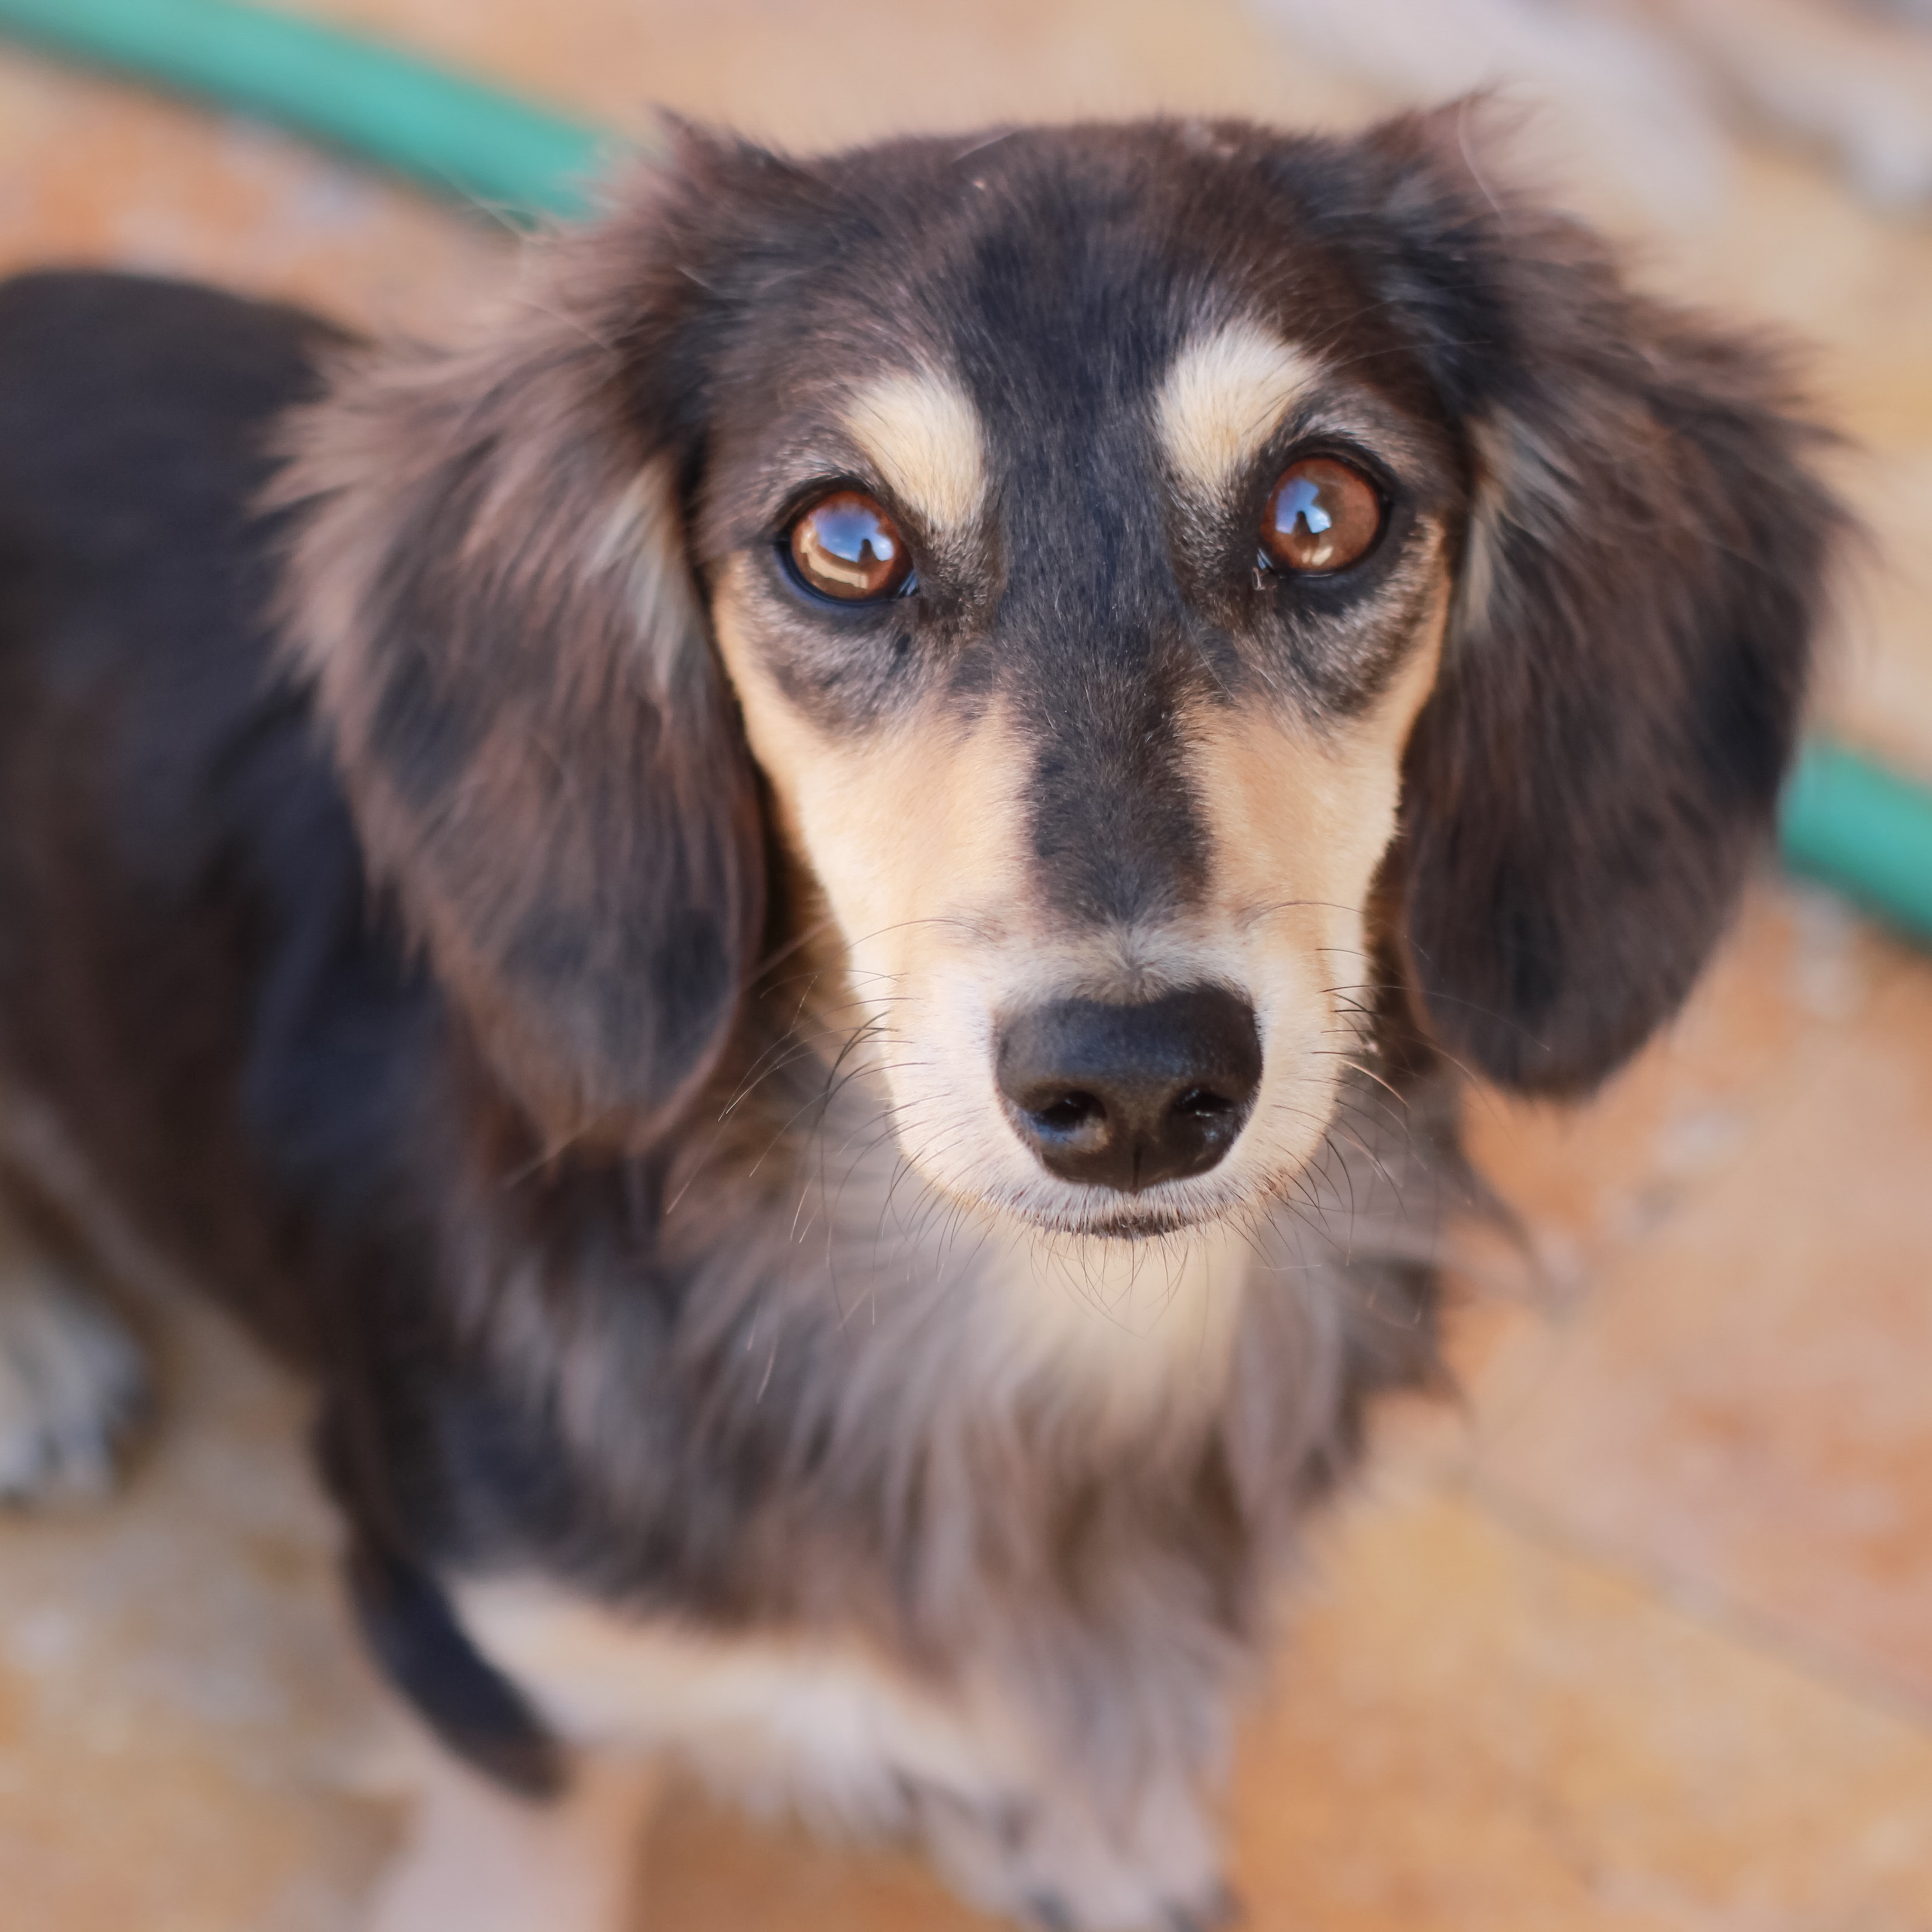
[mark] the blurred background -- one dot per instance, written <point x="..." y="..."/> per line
<point x="1639" y="1635"/>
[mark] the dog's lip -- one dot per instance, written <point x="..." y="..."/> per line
<point x="1142" y="1227"/>
<point x="1141" y="1221"/>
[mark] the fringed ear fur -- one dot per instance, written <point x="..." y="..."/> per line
<point x="1645" y="566"/>
<point x="489" y="589"/>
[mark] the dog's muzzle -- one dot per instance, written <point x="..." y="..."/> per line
<point x="1125" y="1096"/>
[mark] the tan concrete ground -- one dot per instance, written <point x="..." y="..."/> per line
<point x="1641" y="1639"/>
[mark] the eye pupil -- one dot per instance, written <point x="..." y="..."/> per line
<point x="1322" y="517"/>
<point x="845" y="546"/>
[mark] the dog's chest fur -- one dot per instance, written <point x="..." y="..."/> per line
<point x="960" y="1479"/>
<point x="830" y="1727"/>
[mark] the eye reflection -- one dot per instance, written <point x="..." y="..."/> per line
<point x="845" y="546"/>
<point x="1322" y="517"/>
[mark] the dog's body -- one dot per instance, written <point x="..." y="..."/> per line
<point x="570" y="994"/>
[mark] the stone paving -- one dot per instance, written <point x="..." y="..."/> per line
<point x="1637" y="1638"/>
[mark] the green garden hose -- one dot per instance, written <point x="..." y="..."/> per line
<point x="455" y="136"/>
<point x="1865" y="830"/>
<point x="1845" y="819"/>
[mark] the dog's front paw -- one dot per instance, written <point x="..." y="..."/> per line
<point x="1216" y="1909"/>
<point x="72" y="1385"/>
<point x="1055" y="1866"/>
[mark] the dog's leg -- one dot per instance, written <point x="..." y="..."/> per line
<point x="1046" y="1859"/>
<point x="71" y="1379"/>
<point x="479" y="1859"/>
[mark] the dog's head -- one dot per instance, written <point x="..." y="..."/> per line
<point x="1162" y="593"/>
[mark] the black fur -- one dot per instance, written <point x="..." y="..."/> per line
<point x="476" y="1711"/>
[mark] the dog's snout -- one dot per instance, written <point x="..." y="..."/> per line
<point x="1123" y="1096"/>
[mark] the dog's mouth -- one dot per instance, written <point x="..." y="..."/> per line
<point x="1093" y="1118"/>
<point x="1108" y="1214"/>
<point x="1132" y="1224"/>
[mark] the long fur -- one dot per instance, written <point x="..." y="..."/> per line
<point x="393" y="914"/>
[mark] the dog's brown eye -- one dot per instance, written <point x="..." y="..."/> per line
<point x="1323" y="517"/>
<point x="848" y="548"/>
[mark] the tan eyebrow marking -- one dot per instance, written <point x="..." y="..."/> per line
<point x="1223" y="398"/>
<point x="919" y="427"/>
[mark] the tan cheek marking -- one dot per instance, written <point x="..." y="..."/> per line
<point x="1223" y="398"/>
<point x="914" y="829"/>
<point x="1303" y="813"/>
<point x="918" y="427"/>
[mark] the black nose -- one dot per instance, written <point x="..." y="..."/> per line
<point x="1123" y="1096"/>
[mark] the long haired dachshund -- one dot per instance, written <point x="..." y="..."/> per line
<point x="805" y="925"/>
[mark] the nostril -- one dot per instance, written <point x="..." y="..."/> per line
<point x="1072" y="1115"/>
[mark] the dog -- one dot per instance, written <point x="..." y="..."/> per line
<point x="806" y="924"/>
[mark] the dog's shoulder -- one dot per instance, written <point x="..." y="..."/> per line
<point x="132" y="407"/>
<point x="185" y="942"/>
<point x="137" y="435"/>
<point x="85" y="342"/>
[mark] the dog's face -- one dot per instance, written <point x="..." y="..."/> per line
<point x="1079" y="625"/>
<point x="1167" y="580"/>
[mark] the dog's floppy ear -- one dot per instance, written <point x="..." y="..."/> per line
<point x="488" y="586"/>
<point x="1629" y="650"/>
